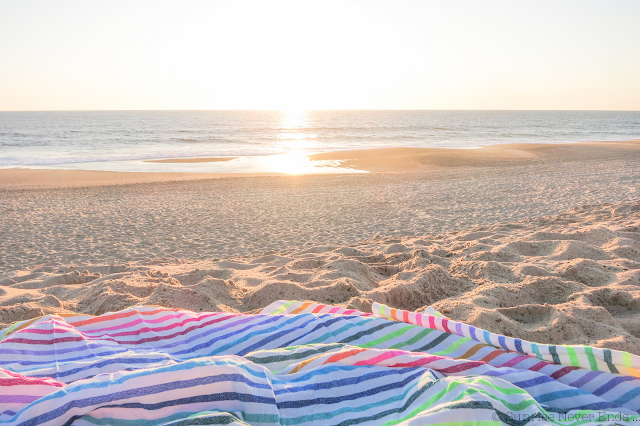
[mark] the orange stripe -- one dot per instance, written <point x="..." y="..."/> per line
<point x="302" y="364"/>
<point x="393" y="314"/>
<point x="26" y="324"/>
<point x="301" y="308"/>
<point x="342" y="355"/>
<point x="472" y="351"/>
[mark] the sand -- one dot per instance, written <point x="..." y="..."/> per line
<point x="573" y="278"/>
<point x="18" y="179"/>
<point x="508" y="155"/>
<point x="463" y="230"/>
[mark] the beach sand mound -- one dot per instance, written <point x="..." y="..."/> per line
<point x="573" y="278"/>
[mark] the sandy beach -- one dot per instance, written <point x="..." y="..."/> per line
<point x="540" y="242"/>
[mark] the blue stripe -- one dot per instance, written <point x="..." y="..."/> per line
<point x="349" y="381"/>
<point x="156" y="389"/>
<point x="503" y="342"/>
<point x="246" y="337"/>
<point x="611" y="384"/>
<point x="534" y="382"/>
<point x="262" y="343"/>
<point x="551" y="396"/>
<point x="518" y="343"/>
<point x="334" y="400"/>
<point x="188" y="365"/>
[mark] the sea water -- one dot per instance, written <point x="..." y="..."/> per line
<point x="122" y="140"/>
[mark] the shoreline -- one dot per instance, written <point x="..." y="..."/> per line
<point x="377" y="160"/>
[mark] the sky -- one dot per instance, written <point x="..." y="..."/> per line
<point x="298" y="55"/>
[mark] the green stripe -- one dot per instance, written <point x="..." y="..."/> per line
<point x="413" y="340"/>
<point x="454" y="385"/>
<point x="382" y="310"/>
<point x="452" y="347"/>
<point x="572" y="356"/>
<point x="282" y="308"/>
<point x="593" y="364"/>
<point x="388" y="336"/>
<point x="8" y="330"/>
<point x="469" y="423"/>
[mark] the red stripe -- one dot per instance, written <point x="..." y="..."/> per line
<point x="405" y="316"/>
<point x="459" y="368"/>
<point x="539" y="366"/>
<point x="563" y="371"/>
<point x="45" y="342"/>
<point x="492" y="355"/>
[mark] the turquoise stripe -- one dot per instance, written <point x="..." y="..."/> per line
<point x="487" y="337"/>
<point x="339" y="331"/>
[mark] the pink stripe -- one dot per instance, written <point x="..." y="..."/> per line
<point x="420" y="362"/>
<point x="334" y="310"/>
<point x="444" y="324"/>
<point x="515" y="360"/>
<point x="41" y="331"/>
<point x="136" y="322"/>
<point x="419" y="320"/>
<point x="122" y="342"/>
<point x="28" y="381"/>
<point x="166" y="327"/>
<point x="381" y="357"/>
<point x="128" y="333"/>
<point x="432" y="322"/>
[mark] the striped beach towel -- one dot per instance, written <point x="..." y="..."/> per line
<point x="301" y="363"/>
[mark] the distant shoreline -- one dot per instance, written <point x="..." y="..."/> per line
<point x="378" y="160"/>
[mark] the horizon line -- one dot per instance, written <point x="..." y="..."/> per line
<point x="332" y="110"/>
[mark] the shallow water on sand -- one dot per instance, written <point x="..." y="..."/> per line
<point x="119" y="140"/>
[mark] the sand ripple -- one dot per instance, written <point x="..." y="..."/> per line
<point x="573" y="278"/>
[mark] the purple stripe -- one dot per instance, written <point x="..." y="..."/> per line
<point x="585" y="379"/>
<point x="18" y="399"/>
<point x="472" y="331"/>
<point x="459" y="329"/>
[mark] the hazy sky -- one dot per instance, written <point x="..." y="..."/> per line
<point x="78" y="55"/>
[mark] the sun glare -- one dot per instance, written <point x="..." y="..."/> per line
<point x="293" y="163"/>
<point x="293" y="126"/>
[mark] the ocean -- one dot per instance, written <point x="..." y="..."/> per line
<point x="122" y="140"/>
